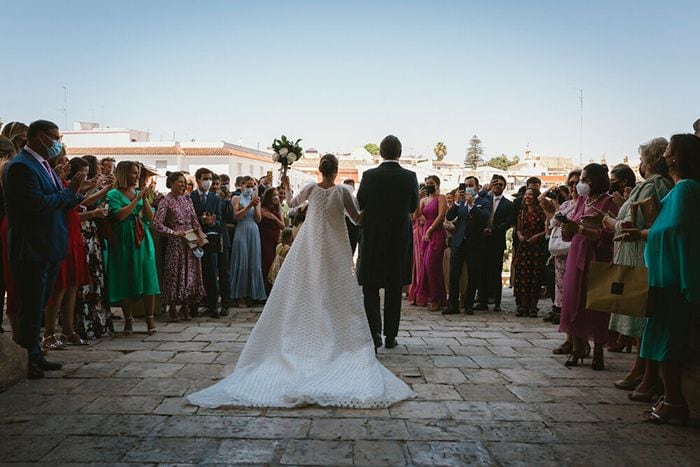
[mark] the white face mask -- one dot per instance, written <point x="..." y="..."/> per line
<point x="206" y="184"/>
<point x="583" y="189"/>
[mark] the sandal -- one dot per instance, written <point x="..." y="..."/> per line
<point x="52" y="342"/>
<point x="151" y="326"/>
<point x="565" y="349"/>
<point x="74" y="339"/>
<point x="628" y="384"/>
<point x="574" y="358"/>
<point x="667" y="414"/>
<point x="172" y="314"/>
<point x="185" y="312"/>
<point x="128" y="326"/>
<point x="649" y="396"/>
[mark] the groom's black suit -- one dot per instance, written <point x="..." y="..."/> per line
<point x="387" y="196"/>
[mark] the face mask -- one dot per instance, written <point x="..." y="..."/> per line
<point x="583" y="189"/>
<point x="55" y="149"/>
<point x="470" y="191"/>
<point x="247" y="192"/>
<point x="206" y="184"/>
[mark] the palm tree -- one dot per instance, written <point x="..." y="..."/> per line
<point x="440" y="151"/>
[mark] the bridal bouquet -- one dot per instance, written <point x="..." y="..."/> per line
<point x="286" y="152"/>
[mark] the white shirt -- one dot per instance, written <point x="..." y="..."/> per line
<point x="496" y="202"/>
<point x="392" y="161"/>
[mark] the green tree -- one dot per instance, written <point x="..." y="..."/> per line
<point x="440" y="151"/>
<point x="475" y="153"/>
<point x="502" y="162"/>
<point x="372" y="148"/>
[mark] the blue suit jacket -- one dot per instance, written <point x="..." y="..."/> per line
<point x="470" y="223"/>
<point x="212" y="206"/>
<point x="36" y="211"/>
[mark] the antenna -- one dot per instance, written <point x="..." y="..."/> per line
<point x="580" y="153"/>
<point x="64" y="109"/>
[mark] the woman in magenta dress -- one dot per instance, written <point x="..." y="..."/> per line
<point x="431" y="280"/>
<point x="270" y="227"/>
<point x="418" y="222"/>
<point x="589" y="243"/>
<point x="182" y="273"/>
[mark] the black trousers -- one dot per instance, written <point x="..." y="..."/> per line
<point x="491" y="283"/>
<point x="224" y="277"/>
<point x="35" y="281"/>
<point x="210" y="274"/>
<point x="473" y="255"/>
<point x="392" y="309"/>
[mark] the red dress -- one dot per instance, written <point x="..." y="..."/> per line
<point x="74" y="270"/>
<point x="269" y="237"/>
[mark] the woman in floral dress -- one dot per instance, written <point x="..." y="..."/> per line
<point x="531" y="256"/>
<point x="182" y="274"/>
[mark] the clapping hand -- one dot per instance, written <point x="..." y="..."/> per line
<point x="548" y="205"/>
<point x="77" y="181"/>
<point x="100" y="212"/>
<point x="619" y="199"/>
<point x="255" y="201"/>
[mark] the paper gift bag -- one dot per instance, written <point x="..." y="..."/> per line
<point x="617" y="289"/>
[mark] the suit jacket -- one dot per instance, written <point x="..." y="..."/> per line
<point x="503" y="219"/>
<point x="387" y="196"/>
<point x="212" y="206"/>
<point x="36" y="207"/>
<point x="469" y="223"/>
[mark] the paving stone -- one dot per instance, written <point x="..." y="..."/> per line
<point x="522" y="454"/>
<point x="64" y="404"/>
<point x="457" y="361"/>
<point x="104" y="386"/>
<point x="449" y="453"/>
<point x="485" y="376"/>
<point x="182" y="346"/>
<point x="517" y="432"/>
<point x="436" y="392"/>
<point x="160" y="387"/>
<point x="419" y="409"/>
<point x="485" y="392"/>
<point x="466" y="410"/>
<point x="175" y="406"/>
<point x="495" y="362"/>
<point x="91" y="449"/>
<point x="124" y="344"/>
<point x="123" y="404"/>
<point x="317" y="452"/>
<point x="28" y="448"/>
<point x="339" y="428"/>
<point x="146" y="356"/>
<point x="469" y="350"/>
<point x="11" y="404"/>
<point x="177" y="450"/>
<point x="149" y="370"/>
<point x="44" y="386"/>
<point x="514" y="411"/>
<point x="96" y="370"/>
<point x="590" y="454"/>
<point x="386" y="429"/>
<point x="206" y="426"/>
<point x="128" y="425"/>
<point x="200" y="371"/>
<point x="194" y="357"/>
<point x="443" y="375"/>
<point x="247" y="451"/>
<point x="379" y="453"/>
<point x="277" y="428"/>
<point x="442" y="430"/>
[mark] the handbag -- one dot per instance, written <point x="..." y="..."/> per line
<point x="613" y="288"/>
<point x="557" y="246"/>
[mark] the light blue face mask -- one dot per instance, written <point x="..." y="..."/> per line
<point x="55" y="149"/>
<point x="247" y="192"/>
<point x="471" y="192"/>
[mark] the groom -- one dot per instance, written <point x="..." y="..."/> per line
<point x="387" y="197"/>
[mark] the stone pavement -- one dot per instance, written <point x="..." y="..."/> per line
<point x="489" y="392"/>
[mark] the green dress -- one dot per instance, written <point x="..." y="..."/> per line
<point x="131" y="272"/>
<point x="671" y="254"/>
<point x="632" y="253"/>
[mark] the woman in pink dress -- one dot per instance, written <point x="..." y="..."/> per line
<point x="431" y="280"/>
<point x="418" y="222"/>
<point x="182" y="274"/>
<point x="588" y="243"/>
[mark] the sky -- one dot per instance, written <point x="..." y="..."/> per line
<point x="339" y="74"/>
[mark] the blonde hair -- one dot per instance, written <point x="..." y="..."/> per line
<point x="121" y="173"/>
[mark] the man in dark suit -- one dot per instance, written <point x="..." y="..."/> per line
<point x="208" y="208"/>
<point x="387" y="196"/>
<point x="501" y="217"/>
<point x="36" y="204"/>
<point x="471" y="212"/>
<point x="221" y="190"/>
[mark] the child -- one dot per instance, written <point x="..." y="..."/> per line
<point x="287" y="237"/>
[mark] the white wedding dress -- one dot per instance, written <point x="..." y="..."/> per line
<point x="312" y="343"/>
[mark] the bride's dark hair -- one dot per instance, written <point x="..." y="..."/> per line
<point x="328" y="165"/>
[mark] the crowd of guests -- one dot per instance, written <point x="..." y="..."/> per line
<point x="82" y="235"/>
<point x="597" y="216"/>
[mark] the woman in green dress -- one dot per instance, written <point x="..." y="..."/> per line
<point x="671" y="253"/>
<point x="643" y="377"/>
<point x="132" y="273"/>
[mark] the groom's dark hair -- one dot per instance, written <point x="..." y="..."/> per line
<point x="390" y="148"/>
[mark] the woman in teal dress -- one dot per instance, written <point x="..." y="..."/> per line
<point x="131" y="273"/>
<point x="643" y="377"/>
<point x="672" y="250"/>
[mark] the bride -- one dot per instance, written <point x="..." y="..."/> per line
<point x="312" y="343"/>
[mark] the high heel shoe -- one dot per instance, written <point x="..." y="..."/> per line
<point x="150" y="324"/>
<point x="598" y="362"/>
<point x="649" y="396"/>
<point x="624" y="346"/>
<point x="574" y="358"/>
<point x="128" y="326"/>
<point x="667" y="414"/>
<point x="628" y="384"/>
<point x="173" y="315"/>
<point x="565" y="349"/>
<point x="185" y="311"/>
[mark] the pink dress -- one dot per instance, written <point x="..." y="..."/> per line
<point x="417" y="260"/>
<point x="182" y="272"/>
<point x="431" y="280"/>
<point x="575" y="318"/>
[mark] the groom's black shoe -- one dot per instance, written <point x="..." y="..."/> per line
<point x="377" y="338"/>
<point x="450" y="311"/>
<point x="390" y="342"/>
<point x="46" y="365"/>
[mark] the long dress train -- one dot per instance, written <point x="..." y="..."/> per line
<point x="312" y="342"/>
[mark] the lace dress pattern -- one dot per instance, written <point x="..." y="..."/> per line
<point x="311" y="348"/>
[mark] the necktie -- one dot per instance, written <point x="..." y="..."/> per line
<point x="204" y="200"/>
<point x="48" y="169"/>
<point x="493" y="211"/>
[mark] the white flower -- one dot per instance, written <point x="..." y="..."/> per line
<point x="292" y="156"/>
<point x="284" y="151"/>
<point x="276" y="157"/>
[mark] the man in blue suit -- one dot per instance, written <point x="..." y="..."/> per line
<point x="207" y="205"/>
<point x="471" y="212"/>
<point x="36" y="204"/>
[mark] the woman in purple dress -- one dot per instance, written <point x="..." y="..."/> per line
<point x="418" y="222"/>
<point x="182" y="274"/>
<point x="588" y="243"/>
<point x="431" y="280"/>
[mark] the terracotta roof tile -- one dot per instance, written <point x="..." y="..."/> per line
<point x="108" y="151"/>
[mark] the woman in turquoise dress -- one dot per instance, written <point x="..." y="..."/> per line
<point x="247" y="281"/>
<point x="131" y="272"/>
<point x="671" y="253"/>
<point x="643" y="377"/>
